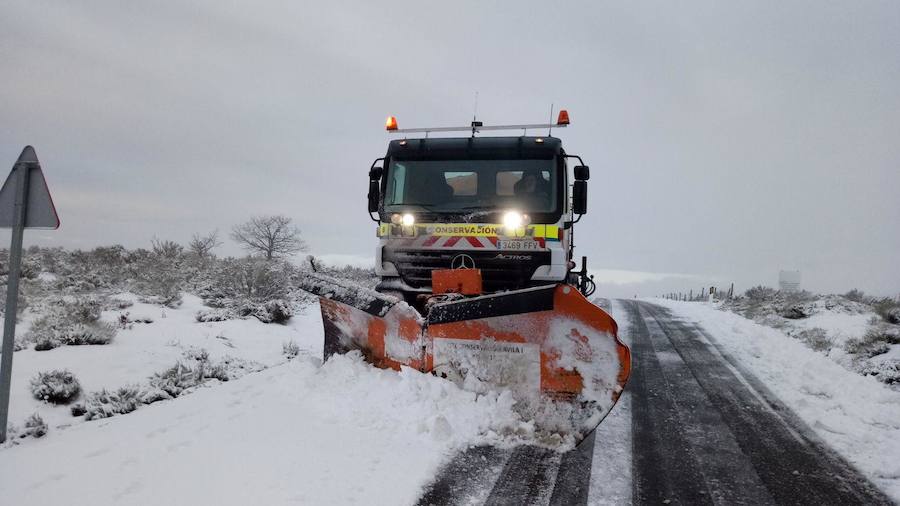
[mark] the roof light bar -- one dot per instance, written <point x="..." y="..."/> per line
<point x="477" y="126"/>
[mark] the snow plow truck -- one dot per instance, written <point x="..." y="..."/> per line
<point x="478" y="281"/>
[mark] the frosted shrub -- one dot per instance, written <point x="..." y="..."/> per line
<point x="273" y="311"/>
<point x="888" y="310"/>
<point x="104" y="404"/>
<point x="70" y="323"/>
<point x="816" y="338"/>
<point x="175" y="380"/>
<point x="290" y="349"/>
<point x="99" y="333"/>
<point x="855" y="295"/>
<point x="212" y="315"/>
<point x="887" y="371"/>
<point x="161" y="275"/>
<point x="180" y="377"/>
<point x="204" y="369"/>
<point x="58" y="386"/>
<point x="760" y="293"/>
<point x="35" y="426"/>
<point x="796" y="311"/>
<point x="872" y="344"/>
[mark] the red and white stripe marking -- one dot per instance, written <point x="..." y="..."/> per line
<point x="459" y="242"/>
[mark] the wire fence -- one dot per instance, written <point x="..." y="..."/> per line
<point x="703" y="294"/>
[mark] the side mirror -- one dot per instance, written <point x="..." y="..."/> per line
<point x="579" y="197"/>
<point x="374" y="193"/>
<point x="582" y="173"/>
<point x="375" y="173"/>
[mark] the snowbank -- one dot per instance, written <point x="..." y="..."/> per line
<point x="343" y="432"/>
<point x="856" y="415"/>
<point x="146" y="348"/>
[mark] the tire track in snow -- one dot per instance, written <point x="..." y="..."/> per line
<point x="702" y="431"/>
<point x="664" y="467"/>
<point x="792" y="467"/>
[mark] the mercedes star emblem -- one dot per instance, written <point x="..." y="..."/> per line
<point x="462" y="262"/>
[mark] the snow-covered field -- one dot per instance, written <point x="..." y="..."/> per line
<point x="138" y="352"/>
<point x="298" y="431"/>
<point x="856" y="415"/>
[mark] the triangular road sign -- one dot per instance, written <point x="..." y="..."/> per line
<point x="40" y="211"/>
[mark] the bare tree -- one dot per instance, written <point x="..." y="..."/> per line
<point x="271" y="236"/>
<point x="202" y="246"/>
<point x="166" y="248"/>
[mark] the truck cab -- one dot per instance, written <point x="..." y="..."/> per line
<point x="502" y="205"/>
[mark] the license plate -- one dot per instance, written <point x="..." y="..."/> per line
<point x="517" y="244"/>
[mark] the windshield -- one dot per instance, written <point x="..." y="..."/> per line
<point x="448" y="186"/>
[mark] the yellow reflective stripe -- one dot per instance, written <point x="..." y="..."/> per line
<point x="463" y="229"/>
<point x="475" y="230"/>
<point x="546" y="231"/>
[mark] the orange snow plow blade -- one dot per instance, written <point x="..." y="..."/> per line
<point x="555" y="351"/>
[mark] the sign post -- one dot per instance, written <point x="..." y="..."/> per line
<point x="25" y="202"/>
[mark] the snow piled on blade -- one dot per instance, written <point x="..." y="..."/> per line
<point x="347" y="292"/>
<point x="489" y="364"/>
<point x="856" y="415"/>
<point x="341" y="432"/>
<point x="591" y="353"/>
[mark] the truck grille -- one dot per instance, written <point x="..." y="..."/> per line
<point x="497" y="272"/>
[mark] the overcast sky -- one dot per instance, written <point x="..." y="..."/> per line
<point x="726" y="140"/>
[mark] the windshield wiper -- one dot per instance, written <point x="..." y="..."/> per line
<point x="427" y="207"/>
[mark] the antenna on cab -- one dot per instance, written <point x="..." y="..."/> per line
<point x="475" y="122"/>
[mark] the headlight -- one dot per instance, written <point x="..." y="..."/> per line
<point x="408" y="220"/>
<point x="395" y="219"/>
<point x="512" y="220"/>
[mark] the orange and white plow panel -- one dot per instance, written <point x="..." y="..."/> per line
<point x="548" y="345"/>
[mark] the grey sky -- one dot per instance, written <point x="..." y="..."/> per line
<point x="726" y="140"/>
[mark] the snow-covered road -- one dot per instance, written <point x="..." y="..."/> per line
<point x="697" y="427"/>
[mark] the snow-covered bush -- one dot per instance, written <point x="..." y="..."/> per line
<point x="760" y="293"/>
<point x="796" y="311"/>
<point x="245" y="287"/>
<point x="57" y="386"/>
<point x="182" y="376"/>
<point x="175" y="380"/>
<point x="162" y="274"/>
<point x="212" y="315"/>
<point x="816" y="338"/>
<point x="290" y="349"/>
<point x="205" y="369"/>
<point x="886" y="371"/>
<point x="70" y="323"/>
<point x="871" y="344"/>
<point x="122" y="303"/>
<point x="34" y="426"/>
<point x="855" y="295"/>
<point x="104" y="404"/>
<point x="888" y="310"/>
<point x="254" y="279"/>
<point x="80" y="333"/>
<point x="273" y="311"/>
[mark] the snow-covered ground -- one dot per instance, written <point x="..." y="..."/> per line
<point x="138" y="352"/>
<point x="856" y="415"/>
<point x="299" y="432"/>
<point x="296" y="432"/>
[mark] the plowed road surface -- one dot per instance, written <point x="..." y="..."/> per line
<point x="693" y="428"/>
